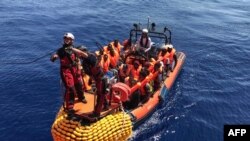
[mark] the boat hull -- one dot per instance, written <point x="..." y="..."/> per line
<point x="141" y="113"/>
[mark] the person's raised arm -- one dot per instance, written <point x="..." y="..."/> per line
<point x="80" y="53"/>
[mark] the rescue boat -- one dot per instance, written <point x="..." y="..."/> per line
<point x="118" y="122"/>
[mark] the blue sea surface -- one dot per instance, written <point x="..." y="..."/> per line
<point x="211" y="90"/>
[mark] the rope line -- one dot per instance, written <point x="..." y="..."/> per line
<point x="28" y="62"/>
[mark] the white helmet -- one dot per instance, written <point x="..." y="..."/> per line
<point x="69" y="35"/>
<point x="144" y="30"/>
<point x="169" y="46"/>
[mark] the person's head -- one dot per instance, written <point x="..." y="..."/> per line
<point x="105" y="57"/>
<point x="126" y="44"/>
<point x="111" y="50"/>
<point x="110" y="47"/>
<point x="136" y="64"/>
<point x="163" y="51"/>
<point x="83" y="48"/>
<point x="132" y="81"/>
<point x="157" y="66"/>
<point x="116" y="42"/>
<point x="143" y="74"/>
<point x="144" y="33"/>
<point x="169" y="47"/>
<point x="92" y="60"/>
<point x="125" y="67"/>
<point x="68" y="38"/>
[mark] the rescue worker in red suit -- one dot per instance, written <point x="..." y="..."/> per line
<point x="70" y="73"/>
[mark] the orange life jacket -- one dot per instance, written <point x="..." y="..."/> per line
<point x="105" y="64"/>
<point x="114" y="59"/>
<point x="164" y="58"/>
<point x="171" y="55"/>
<point x="135" y="72"/>
<point x="117" y="48"/>
<point x="122" y="73"/>
<point x="151" y="65"/>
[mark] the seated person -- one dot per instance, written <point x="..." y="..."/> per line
<point x="134" y="98"/>
<point x="130" y="81"/>
<point x="144" y="43"/>
<point x="127" y="45"/>
<point x="123" y="72"/>
<point x="157" y="81"/>
<point x="113" y="56"/>
<point x="104" y="63"/>
<point x="172" y="57"/>
<point x="146" y="90"/>
<point x="135" y="69"/>
<point x="163" y="55"/>
<point x="150" y="65"/>
<point x="116" y="45"/>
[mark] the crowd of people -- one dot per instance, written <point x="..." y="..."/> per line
<point x="79" y="68"/>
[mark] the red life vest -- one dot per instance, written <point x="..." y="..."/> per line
<point x="135" y="72"/>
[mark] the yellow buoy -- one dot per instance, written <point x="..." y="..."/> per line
<point x="116" y="126"/>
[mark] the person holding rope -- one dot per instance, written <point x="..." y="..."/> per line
<point x="70" y="71"/>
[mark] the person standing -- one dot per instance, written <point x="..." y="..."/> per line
<point x="91" y="67"/>
<point x="69" y="71"/>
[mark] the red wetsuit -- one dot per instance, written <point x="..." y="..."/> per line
<point x="71" y="76"/>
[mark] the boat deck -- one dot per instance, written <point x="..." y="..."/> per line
<point x="85" y="109"/>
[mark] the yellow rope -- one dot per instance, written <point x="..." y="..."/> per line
<point x="116" y="126"/>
